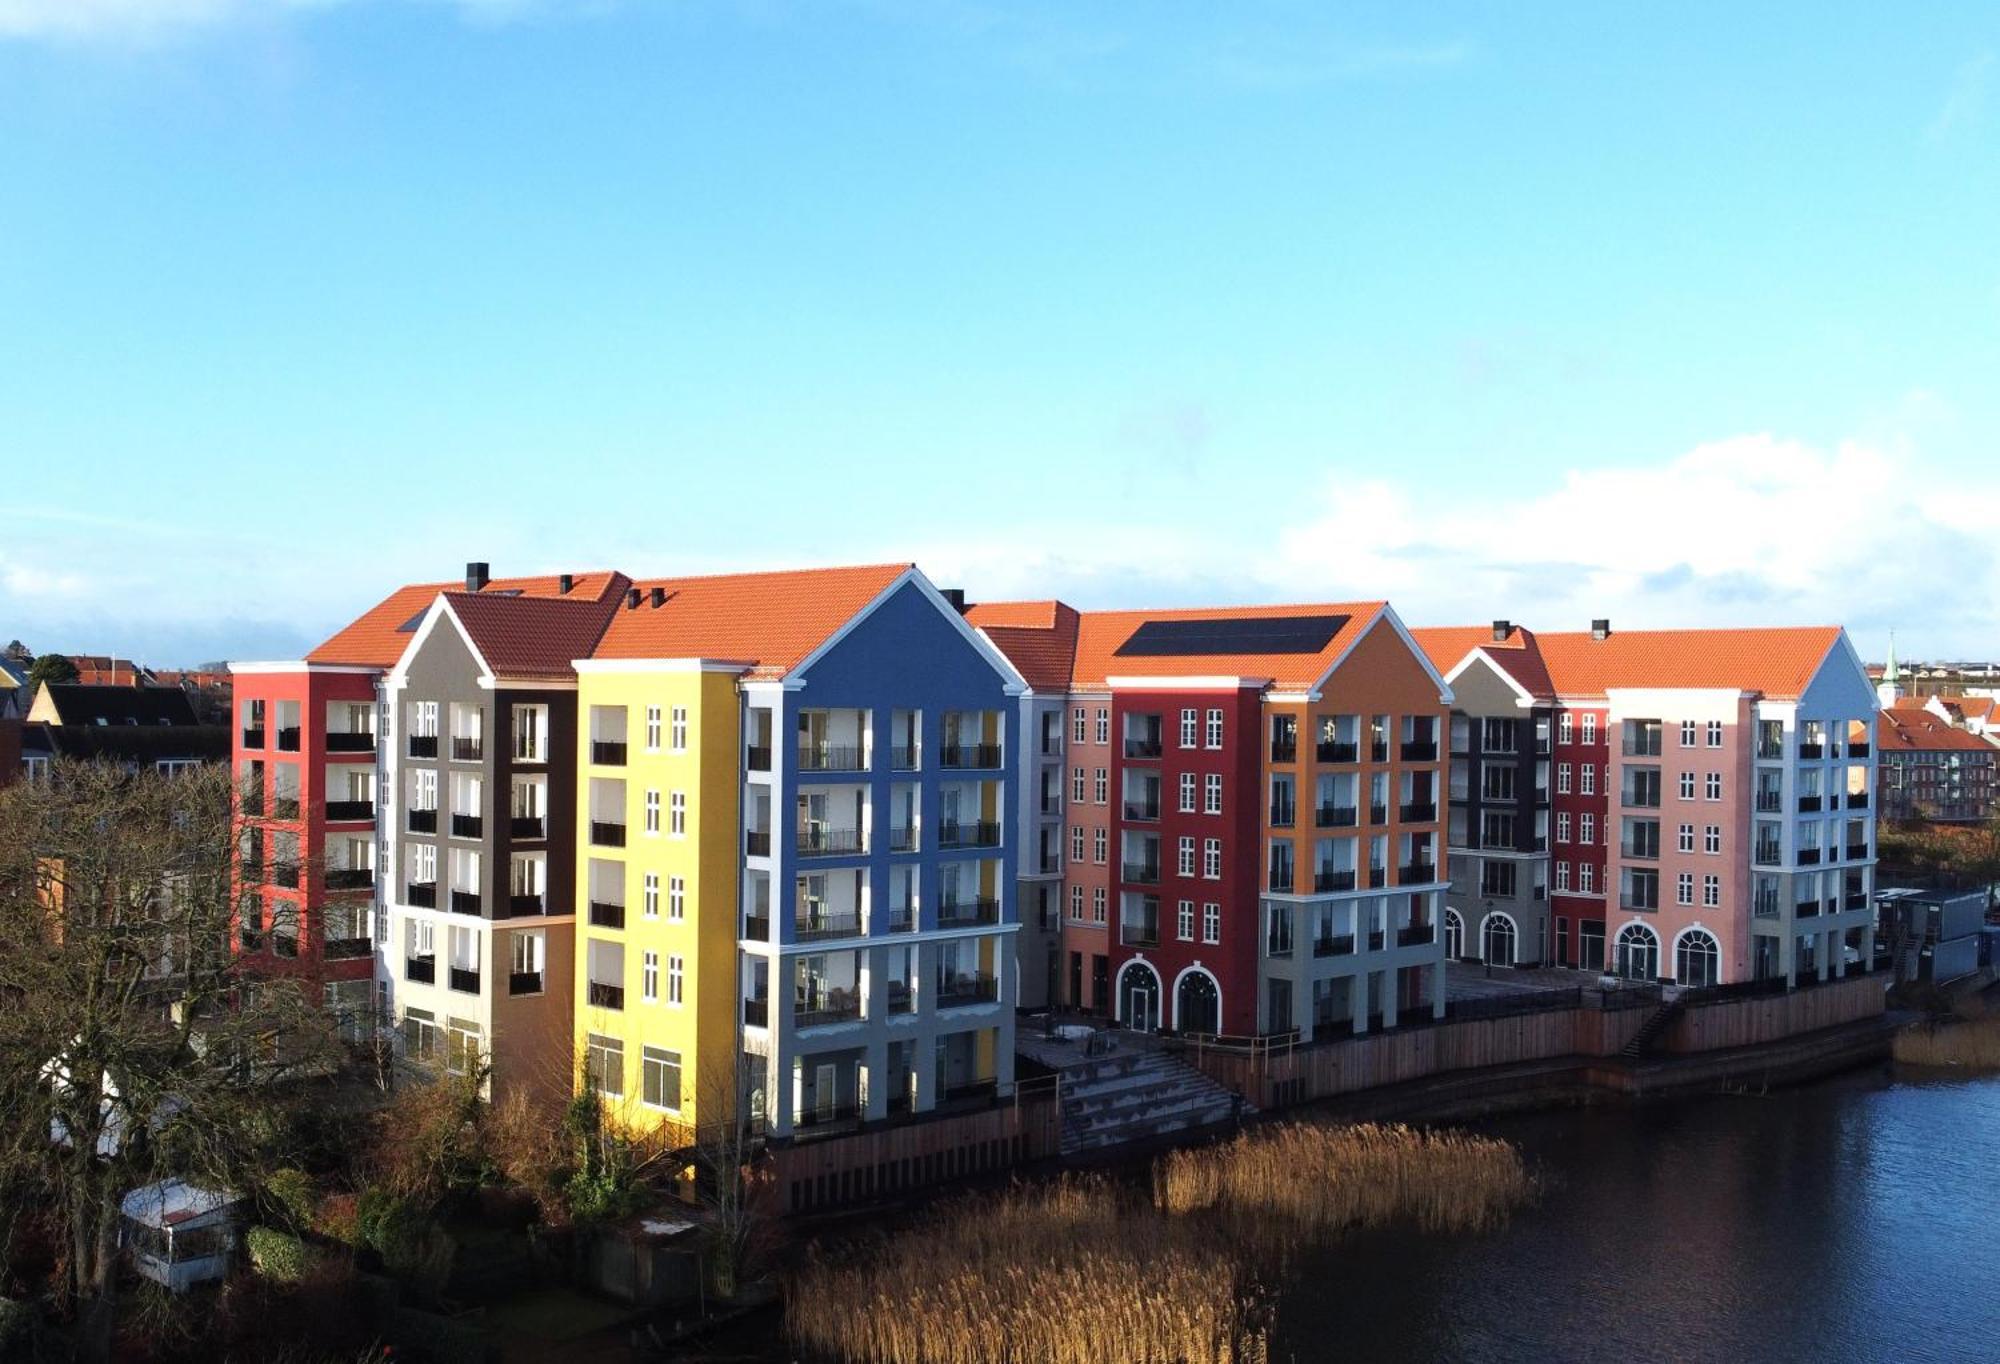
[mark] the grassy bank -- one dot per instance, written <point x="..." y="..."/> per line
<point x="1086" y="1270"/>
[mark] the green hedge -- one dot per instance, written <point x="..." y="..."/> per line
<point x="278" y="1255"/>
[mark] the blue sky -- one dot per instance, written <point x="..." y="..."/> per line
<point x="1543" y="311"/>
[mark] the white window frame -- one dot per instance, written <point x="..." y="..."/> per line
<point x="677" y="733"/>
<point x="652" y="729"/>
<point x="1211" y="794"/>
<point x="1184" y="864"/>
<point x="1712" y="786"/>
<point x="1185" y="923"/>
<point x="1211" y="922"/>
<point x="649" y="977"/>
<point x="649" y="904"/>
<point x="677" y="814"/>
<point x="676" y="899"/>
<point x="652" y="816"/>
<point x="1212" y="734"/>
<point x="1711" y="840"/>
<point x="1211" y="859"/>
<point x="676" y="979"/>
<point x="1190" y="726"/>
<point x="1187" y="793"/>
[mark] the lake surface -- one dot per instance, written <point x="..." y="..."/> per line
<point x="1853" y="1220"/>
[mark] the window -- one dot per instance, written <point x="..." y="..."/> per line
<point x="420" y="1034"/>
<point x="1586" y="877"/>
<point x="1099" y="841"/>
<point x="1080" y="725"/>
<point x="1590" y="729"/>
<point x="1564" y="731"/>
<point x="1190" y="724"/>
<point x="1562" y="779"/>
<point x="1097" y="904"/>
<point x="1186" y="924"/>
<point x="1562" y="876"/>
<point x="1696" y="959"/>
<point x="1214" y="738"/>
<point x="660" y="1078"/>
<point x="652" y="812"/>
<point x="1104" y="724"/>
<point x="1687" y="838"/>
<point x="1711" y="891"/>
<point x="1687" y="734"/>
<point x="1687" y="786"/>
<point x="677" y="898"/>
<point x="1076" y="786"/>
<point x="1185" y="864"/>
<point x="1562" y="826"/>
<point x="1588" y="773"/>
<point x="1211" y="858"/>
<point x="1711" y="839"/>
<point x="1587" y="829"/>
<point x="1212" y="794"/>
<point x="679" y="737"/>
<point x="1211" y="922"/>
<point x="649" y="978"/>
<point x="1101" y="786"/>
<point x="676" y="976"/>
<point x="1715" y="734"/>
<point x="678" y="815"/>
<point x="1076" y="843"/>
<point x="652" y="729"/>
<point x="1684" y="888"/>
<point x="604" y="1065"/>
<point x="1076" y="903"/>
<point x="1187" y="793"/>
<point x="650" y="906"/>
<point x="1712" y="785"/>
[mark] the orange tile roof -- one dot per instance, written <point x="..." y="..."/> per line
<point x="376" y="640"/>
<point x="536" y="637"/>
<point x="1026" y="615"/>
<point x="1771" y="662"/>
<point x="1913" y="729"/>
<point x="1970" y="707"/>
<point x="1519" y="655"/>
<point x="768" y="620"/>
<point x="1045" y="656"/>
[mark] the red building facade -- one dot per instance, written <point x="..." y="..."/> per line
<point x="1582" y="810"/>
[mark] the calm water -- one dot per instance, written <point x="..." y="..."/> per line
<point x="1855" y="1220"/>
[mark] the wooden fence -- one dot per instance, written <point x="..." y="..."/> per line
<point x="1750" y="1022"/>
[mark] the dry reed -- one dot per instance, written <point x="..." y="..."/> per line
<point x="1974" y="1044"/>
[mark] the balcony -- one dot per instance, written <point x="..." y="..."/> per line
<point x="1420" y="751"/>
<point x="607" y="753"/>
<point x="467" y="826"/>
<point x="1280" y="881"/>
<point x="1141" y="873"/>
<point x="898" y="998"/>
<point x="980" y="755"/>
<point x="347" y="741"/>
<point x="606" y="833"/>
<point x="757" y="842"/>
<point x="288" y="739"/>
<point x="1334" y="751"/>
<point x="757" y="1013"/>
<point x="346" y="949"/>
<point x="1378" y="814"/>
<point x="1284" y="816"/>
<point x="824" y="840"/>
<point x="1857" y="750"/>
<point x="421" y="894"/>
<point x="285" y="874"/>
<point x="467" y="748"/>
<point x="757" y="757"/>
<point x="1808" y="856"/>
<point x="1808" y="804"/>
<point x="1856" y="899"/>
<point x="350" y="811"/>
<point x="420" y="970"/>
<point x="1418" y="811"/>
<point x="1334" y="946"/>
<point x="1378" y="751"/>
<point x="465" y="902"/>
<point x="1335" y="817"/>
<point x="1639" y="906"/>
<point x="285" y="807"/>
<point x="831" y="758"/>
<point x="1640" y="852"/>
<point x="1807" y="909"/>
<point x="1145" y="749"/>
<point x="1770" y="802"/>
<point x="976" y="913"/>
<point x="1325" y="881"/>
<point x="1378" y="877"/>
<point x="519" y="903"/>
<point x="903" y="920"/>
<point x="1414" y="873"/>
<point x="1416" y="935"/>
<point x="1284" y="750"/>
<point x="602" y="996"/>
<point x="528" y="827"/>
<point x="423" y="745"/>
<point x="1376" y="938"/>
<point x="904" y="758"/>
<point x="1807" y="750"/>
<point x="350" y="878"/>
<point x="1643" y="797"/>
<point x="421" y="821"/>
<point x="1139" y="932"/>
<point x="1143" y="810"/>
<point x="1857" y="852"/>
<point x="902" y="839"/>
<point x="963" y="991"/>
<point x="253" y="736"/>
<point x="603" y="914"/>
<point x="465" y="980"/>
<point x="814" y="927"/>
<point x="836" y="1006"/>
<point x="977" y="835"/>
<point x="1857" y="800"/>
<point x="1767" y="855"/>
<point x="524" y="982"/>
<point x="757" y="927"/>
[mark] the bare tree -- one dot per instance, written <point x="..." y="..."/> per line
<point x="132" y="1047"/>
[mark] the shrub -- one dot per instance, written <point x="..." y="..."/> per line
<point x="290" y="1192"/>
<point x="278" y="1255"/>
<point x="339" y="1219"/>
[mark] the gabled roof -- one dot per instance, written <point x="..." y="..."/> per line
<point x="769" y="621"/>
<point x="1906" y="729"/>
<point x="1039" y="639"/>
<point x="377" y="638"/>
<point x="1519" y="655"/>
<point x="1776" y="663"/>
<point x="535" y="638"/>
<point x="79" y="703"/>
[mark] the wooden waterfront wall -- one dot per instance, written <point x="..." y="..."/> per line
<point x="833" y="1171"/>
<point x="1751" y="1022"/>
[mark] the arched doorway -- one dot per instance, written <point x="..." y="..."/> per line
<point x="1638" y="953"/>
<point x="1697" y="960"/>
<point x="1497" y="938"/>
<point x="1139" y="997"/>
<point x="1454" y="935"/>
<point x="1197" y="1003"/>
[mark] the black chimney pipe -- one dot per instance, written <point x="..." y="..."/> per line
<point x="476" y="576"/>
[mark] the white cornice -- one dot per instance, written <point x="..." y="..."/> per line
<point x="661" y="665"/>
<point x="301" y="666"/>
<point x="1216" y="682"/>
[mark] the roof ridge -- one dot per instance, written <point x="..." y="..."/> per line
<point x="897" y="564"/>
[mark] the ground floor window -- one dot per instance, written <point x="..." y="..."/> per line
<point x="660" y="1078"/>
<point x="462" y="1041"/>
<point x="1454" y="935"/>
<point x="1697" y="961"/>
<point x="1499" y="938"/>
<point x="604" y="1065"/>
<point x="1590" y="945"/>
<point x="420" y="1034"/>
<point x="1638" y="953"/>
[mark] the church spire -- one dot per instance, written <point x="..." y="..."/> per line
<point x="1890" y="690"/>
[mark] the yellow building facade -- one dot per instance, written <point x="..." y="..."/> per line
<point x="659" y="857"/>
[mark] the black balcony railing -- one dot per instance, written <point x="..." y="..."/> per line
<point x="757" y="757"/>
<point x="521" y="903"/>
<point x="902" y="839"/>
<point x="253" y="737"/>
<point x="524" y="982"/>
<point x="1856" y="899"/>
<point x="1142" y="748"/>
<point x="350" y="811"/>
<point x="285" y="807"/>
<point x="975" y="835"/>
<point x="824" y="840"/>
<point x="825" y="1010"/>
<point x="421" y="894"/>
<point x="350" y="878"/>
<point x="899" y="997"/>
<point x="1807" y="750"/>
<point x="1808" y="804"/>
<point x="757" y="842"/>
<point x="812" y="927"/>
<point x="1418" y="811"/>
<point x="1378" y="750"/>
<point x="1284" y="816"/>
<point x="902" y="920"/>
<point x="971" y="755"/>
<point x="1376" y="938"/>
<point x="1338" y="945"/>
<point x="1808" y="856"/>
<point x="904" y="757"/>
<point x="831" y="758"/>
<point x="1767" y="855"/>
<point x="1141" y="873"/>
<point x="960" y="991"/>
<point x="1139" y="932"/>
<point x="1335" y="816"/>
<point x="1280" y="880"/>
<point x="1420" y="751"/>
<point x="1857" y="800"/>
<point x="1416" y="935"/>
<point x="1284" y="750"/>
<point x="348" y="741"/>
<point x="1147" y="810"/>
<point x="423" y="745"/>
<point x="602" y="996"/>
<point x="421" y="821"/>
<point x="1378" y="814"/>
<point x="607" y="753"/>
<point x="757" y="1013"/>
<point x="1327" y="879"/>
<point x="968" y="913"/>
<point x="288" y="739"/>
<point x="346" y="949"/>
<point x="420" y="970"/>
<point x="1857" y="750"/>
<point x="1857" y="852"/>
<point x="757" y="927"/>
<point x="1645" y="850"/>
<point x="607" y="833"/>
<point x="284" y="874"/>
<point x="604" y="914"/>
<point x="1337" y="751"/>
<point x="1770" y="802"/>
<point x="1414" y="872"/>
<point x="527" y="826"/>
<point x="467" y="826"/>
<point x="467" y="748"/>
<point x="1378" y="877"/>
<point x="1807" y="909"/>
<point x="465" y="902"/>
<point x="249" y="939"/>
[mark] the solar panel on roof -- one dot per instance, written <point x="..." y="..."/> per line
<point x="1232" y="635"/>
<point x="409" y="626"/>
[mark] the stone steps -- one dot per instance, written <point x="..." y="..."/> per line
<point x="1137" y="1096"/>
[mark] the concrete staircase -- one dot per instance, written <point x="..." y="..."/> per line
<point x="1650" y="1031"/>
<point x="1136" y="1096"/>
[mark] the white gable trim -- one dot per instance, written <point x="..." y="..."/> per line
<point x="1387" y="613"/>
<point x="1522" y="696"/>
<point x="1014" y="683"/>
<point x="439" y="609"/>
